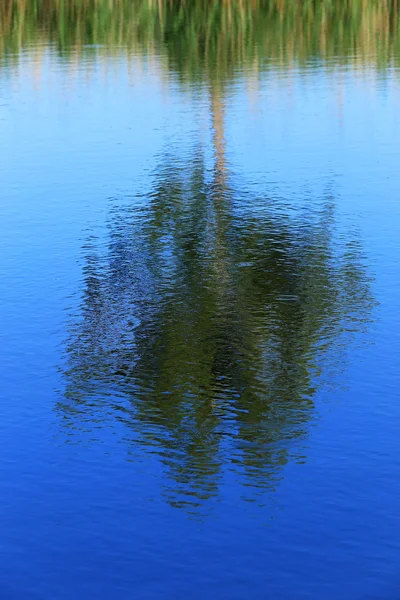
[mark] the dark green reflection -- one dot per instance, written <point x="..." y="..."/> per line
<point x="211" y="316"/>
<point x="206" y="322"/>
<point x="208" y="38"/>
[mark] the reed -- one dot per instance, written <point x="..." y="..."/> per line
<point x="208" y="38"/>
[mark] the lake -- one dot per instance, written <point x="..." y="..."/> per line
<point x="200" y="299"/>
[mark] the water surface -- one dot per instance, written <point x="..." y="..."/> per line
<point x="198" y="257"/>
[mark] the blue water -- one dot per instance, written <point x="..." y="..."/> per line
<point x="126" y="472"/>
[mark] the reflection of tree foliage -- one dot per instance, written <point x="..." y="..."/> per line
<point x="205" y="323"/>
<point x="208" y="37"/>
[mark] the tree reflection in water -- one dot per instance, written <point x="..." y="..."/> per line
<point x="207" y="321"/>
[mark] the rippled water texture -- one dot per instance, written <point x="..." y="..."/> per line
<point x="199" y="300"/>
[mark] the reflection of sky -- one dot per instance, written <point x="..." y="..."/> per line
<point x="67" y="148"/>
<point x="323" y="130"/>
<point x="318" y="122"/>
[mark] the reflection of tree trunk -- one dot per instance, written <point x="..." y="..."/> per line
<point x="220" y="196"/>
<point x="221" y="210"/>
<point x="218" y="123"/>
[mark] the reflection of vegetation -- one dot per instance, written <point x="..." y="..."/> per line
<point x="202" y="37"/>
<point x="205" y="323"/>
